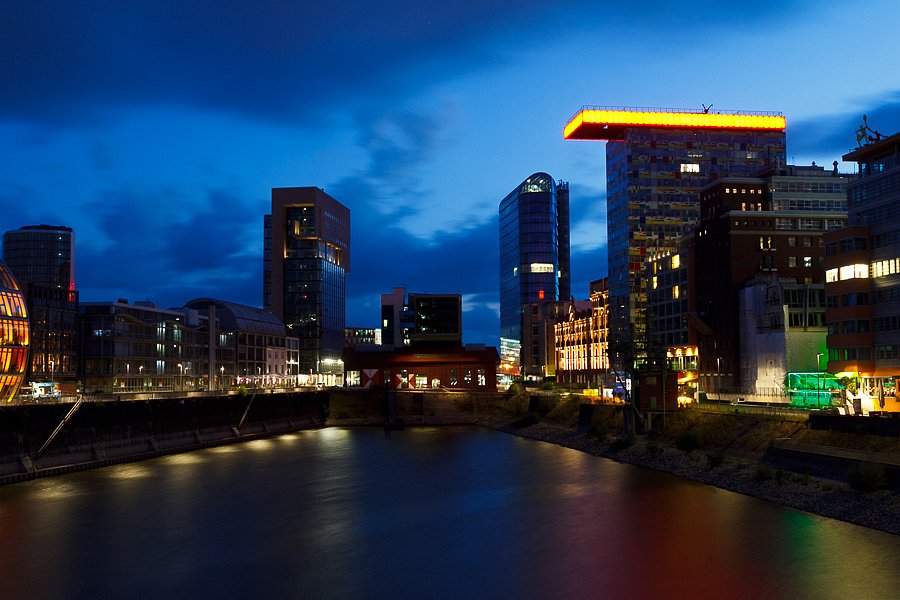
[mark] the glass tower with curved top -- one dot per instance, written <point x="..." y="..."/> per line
<point x="534" y="256"/>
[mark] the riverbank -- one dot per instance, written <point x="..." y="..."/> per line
<point x="736" y="458"/>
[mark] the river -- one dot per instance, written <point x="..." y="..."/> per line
<point x="447" y="512"/>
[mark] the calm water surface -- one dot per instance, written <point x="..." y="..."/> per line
<point x="423" y="513"/>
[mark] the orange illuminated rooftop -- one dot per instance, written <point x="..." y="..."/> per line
<point x="609" y="123"/>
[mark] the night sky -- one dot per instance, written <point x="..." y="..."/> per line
<point x="157" y="129"/>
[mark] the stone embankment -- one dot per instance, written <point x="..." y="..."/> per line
<point x="733" y="452"/>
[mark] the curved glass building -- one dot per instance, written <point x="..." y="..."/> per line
<point x="534" y="255"/>
<point x="14" y="336"/>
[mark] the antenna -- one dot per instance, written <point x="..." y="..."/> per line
<point x="706" y="108"/>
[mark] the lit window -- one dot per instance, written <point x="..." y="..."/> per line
<point x="675" y="292"/>
<point x="854" y="272"/>
<point x="831" y="275"/>
<point x="654" y="283"/>
<point x="807" y="261"/>
<point x="690" y="168"/>
<point x="676" y="261"/>
<point x="542" y="268"/>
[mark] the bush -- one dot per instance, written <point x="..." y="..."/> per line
<point x="715" y="460"/>
<point x="514" y="388"/>
<point x="599" y="426"/>
<point x="527" y="421"/>
<point x="867" y="477"/>
<point x="780" y="476"/>
<point x="764" y="473"/>
<point x="622" y="443"/>
<point x="687" y="441"/>
<point x="653" y="449"/>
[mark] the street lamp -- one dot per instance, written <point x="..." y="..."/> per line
<point x="141" y="372"/>
<point x="222" y="377"/>
<point x="821" y="376"/>
<point x="181" y="376"/>
<point x="52" y="373"/>
<point x="127" y="376"/>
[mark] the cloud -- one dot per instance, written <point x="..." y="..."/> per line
<point x="834" y="135"/>
<point x="169" y="246"/>
<point x="72" y="61"/>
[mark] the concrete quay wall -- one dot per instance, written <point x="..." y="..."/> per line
<point x="104" y="433"/>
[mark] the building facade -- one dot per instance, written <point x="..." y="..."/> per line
<point x="306" y="261"/>
<point x="580" y="341"/>
<point x="771" y="225"/>
<point x="862" y="285"/>
<point x="657" y="161"/>
<point x="14" y="336"/>
<point x="534" y="256"/>
<point x="42" y="258"/>
<point x="538" y="337"/>
<point x="362" y="336"/>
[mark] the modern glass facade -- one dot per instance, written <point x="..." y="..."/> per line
<point x="14" y="336"/>
<point x="534" y="251"/>
<point x="42" y="259"/>
<point x="305" y="271"/>
<point x="654" y="176"/>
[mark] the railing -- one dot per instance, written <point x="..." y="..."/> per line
<point x="695" y="111"/>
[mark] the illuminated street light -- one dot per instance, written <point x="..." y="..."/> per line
<point x="181" y="376"/>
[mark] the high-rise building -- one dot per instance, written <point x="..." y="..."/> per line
<point x="306" y="260"/>
<point x="657" y="160"/>
<point x="862" y="277"/>
<point x="534" y="256"/>
<point x="42" y="258"/>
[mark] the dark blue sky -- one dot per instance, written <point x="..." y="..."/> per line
<point x="157" y="129"/>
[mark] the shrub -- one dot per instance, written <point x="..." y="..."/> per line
<point x="622" y="443"/>
<point x="867" y="477"/>
<point x="715" y="460"/>
<point x="653" y="449"/>
<point x="764" y="473"/>
<point x="599" y="426"/>
<point x="780" y="476"/>
<point x="687" y="441"/>
<point x="527" y="421"/>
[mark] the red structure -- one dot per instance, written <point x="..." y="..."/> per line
<point x="470" y="368"/>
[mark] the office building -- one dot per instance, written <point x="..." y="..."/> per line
<point x="657" y="161"/>
<point x="762" y="226"/>
<point x="862" y="280"/>
<point x="534" y="256"/>
<point x="306" y="261"/>
<point x="397" y="319"/>
<point x="42" y="258"/>
<point x="14" y="336"/>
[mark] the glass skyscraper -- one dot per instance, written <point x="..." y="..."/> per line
<point x="657" y="160"/>
<point x="534" y="255"/>
<point x="306" y="259"/>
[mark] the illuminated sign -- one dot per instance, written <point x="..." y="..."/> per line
<point x="605" y="124"/>
<point x="541" y="268"/>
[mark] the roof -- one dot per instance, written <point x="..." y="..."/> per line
<point x="239" y="317"/>
<point x="872" y="150"/>
<point x="610" y="122"/>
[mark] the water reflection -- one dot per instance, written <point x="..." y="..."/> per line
<point x="438" y="512"/>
